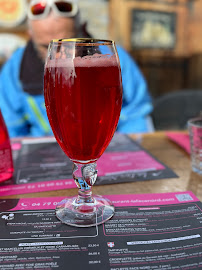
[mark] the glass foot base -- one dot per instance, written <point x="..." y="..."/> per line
<point x="84" y="215"/>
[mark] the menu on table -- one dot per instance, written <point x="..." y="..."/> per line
<point x="41" y="165"/>
<point x="148" y="231"/>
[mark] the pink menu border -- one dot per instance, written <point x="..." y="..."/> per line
<point x="141" y="200"/>
<point x="37" y="187"/>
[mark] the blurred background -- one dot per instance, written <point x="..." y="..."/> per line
<point x="163" y="36"/>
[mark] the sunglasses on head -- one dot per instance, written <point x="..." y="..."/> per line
<point x="40" y="9"/>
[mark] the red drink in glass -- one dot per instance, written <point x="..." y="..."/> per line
<point x="83" y="101"/>
<point x="83" y="97"/>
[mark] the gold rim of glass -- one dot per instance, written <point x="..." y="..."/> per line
<point x="85" y="41"/>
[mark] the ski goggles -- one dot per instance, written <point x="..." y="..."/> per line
<point x="40" y="9"/>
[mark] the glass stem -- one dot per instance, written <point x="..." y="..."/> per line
<point x="85" y="177"/>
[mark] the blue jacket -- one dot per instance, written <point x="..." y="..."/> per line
<point x="25" y="115"/>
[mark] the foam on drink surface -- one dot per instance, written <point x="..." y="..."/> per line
<point x="96" y="60"/>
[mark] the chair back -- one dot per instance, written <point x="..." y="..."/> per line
<point x="173" y="110"/>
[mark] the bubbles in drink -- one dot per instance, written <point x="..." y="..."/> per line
<point x="98" y="60"/>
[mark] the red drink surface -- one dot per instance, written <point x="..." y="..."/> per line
<point x="83" y="102"/>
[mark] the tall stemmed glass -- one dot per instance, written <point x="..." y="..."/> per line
<point x="83" y="97"/>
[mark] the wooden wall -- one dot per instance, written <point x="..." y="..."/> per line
<point x="195" y="27"/>
<point x="194" y="79"/>
<point x="165" y="69"/>
<point x="121" y="24"/>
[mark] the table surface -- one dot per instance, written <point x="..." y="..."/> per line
<point x="163" y="149"/>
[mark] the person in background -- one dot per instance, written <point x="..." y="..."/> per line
<point x="21" y="78"/>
